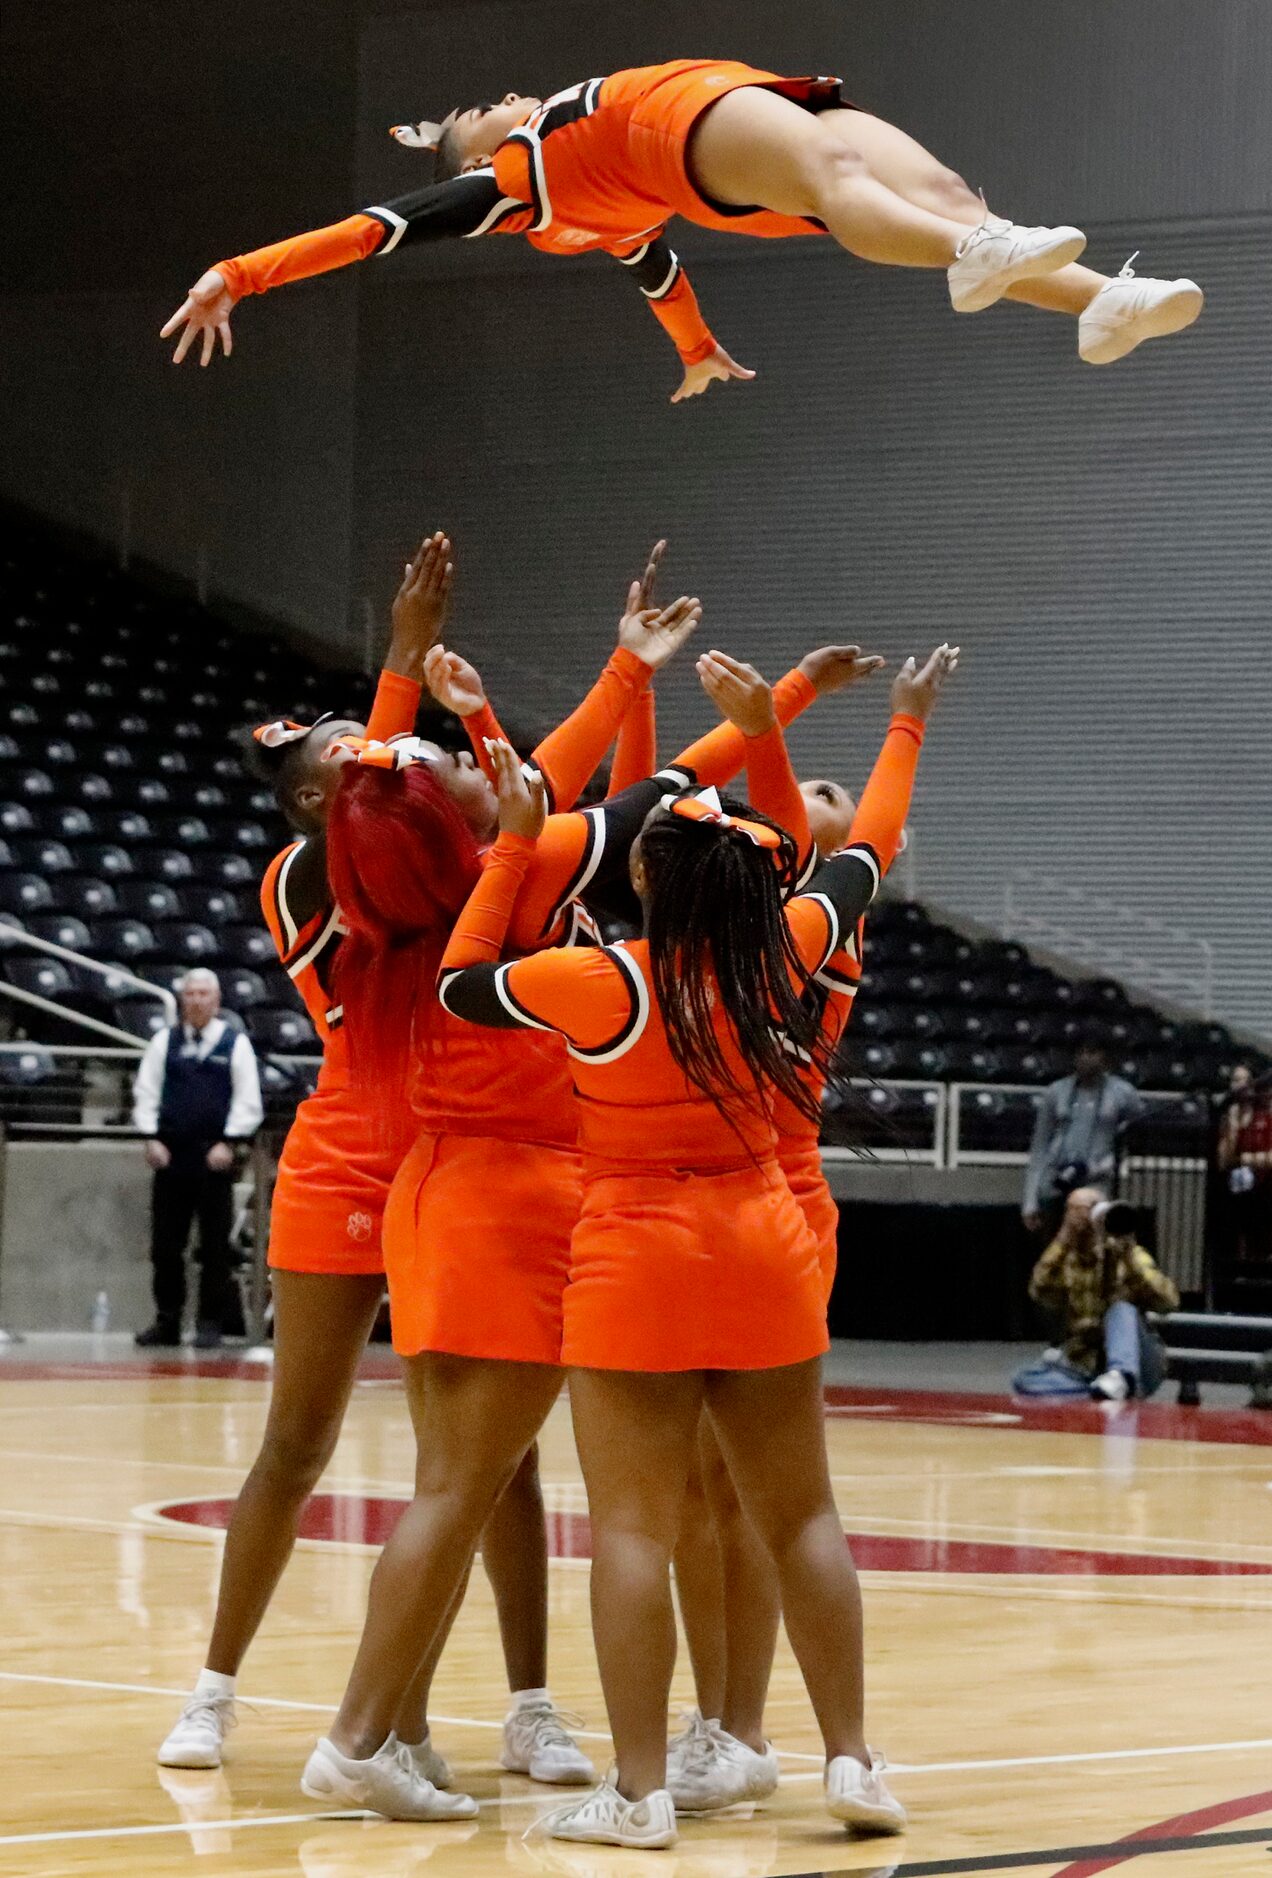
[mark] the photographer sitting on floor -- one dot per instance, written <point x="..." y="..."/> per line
<point x="1098" y="1281"/>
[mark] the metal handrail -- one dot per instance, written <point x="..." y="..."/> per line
<point x="1089" y="947"/>
<point x="19" y="936"/>
<point x="67" y="1016"/>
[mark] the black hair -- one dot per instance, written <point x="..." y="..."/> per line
<point x="449" y="158"/>
<point x="278" y="769"/>
<point x="719" y="943"/>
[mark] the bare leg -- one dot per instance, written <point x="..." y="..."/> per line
<point x="321" y="1326"/>
<point x="913" y="172"/>
<point x="771" y="1427"/>
<point x="752" y="148"/>
<point x="514" y="1551"/>
<point x="473" y="1422"/>
<point x="752" y="1599"/>
<point x="699" y="1570"/>
<point x="410" y="1724"/>
<point x="635" y="1438"/>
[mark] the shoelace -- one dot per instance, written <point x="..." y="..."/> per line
<point x="987" y="226"/>
<point x="699" y="1745"/>
<point x="549" y="1726"/>
<point x="1128" y="272"/>
<point x="212" y="1705"/>
<point x="593" y="1809"/>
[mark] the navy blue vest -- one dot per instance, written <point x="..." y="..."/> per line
<point x="196" y="1092"/>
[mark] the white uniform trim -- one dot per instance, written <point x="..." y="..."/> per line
<point x="640" y="1004"/>
<point x="396" y="222"/>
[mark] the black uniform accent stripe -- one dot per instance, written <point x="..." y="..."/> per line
<point x="465" y="205"/>
<point x="589" y="861"/>
<point x="538" y="183"/>
<point x="558" y="112"/>
<point x="477" y="994"/>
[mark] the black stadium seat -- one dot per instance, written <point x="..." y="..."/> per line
<point x="44" y="856"/>
<point x="85" y="897"/>
<point x="69" y="822"/>
<point x="107" y="860"/>
<point x="141" y="1015"/>
<point x="43" y="976"/>
<point x="215" y="906"/>
<point x="242" y="990"/>
<point x="24" y="893"/>
<point x="149" y="900"/>
<point x="247" y="945"/>
<point x="16" y="818"/>
<point x="184" y="940"/>
<point x="61" y="929"/>
<point x="170" y="864"/>
<point x="122" y="941"/>
<point x="289" y="1032"/>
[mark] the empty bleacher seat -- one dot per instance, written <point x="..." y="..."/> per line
<point x="141" y="1015"/>
<point x="43" y="976"/>
<point x="247" y="945"/>
<point x="61" y="929"/>
<point x="69" y="822"/>
<point x="107" y="859"/>
<point x="290" y="1032"/>
<point x="85" y="897"/>
<point x="149" y="900"/>
<point x="24" y="893"/>
<point x="186" y="941"/>
<point x="170" y="864"/>
<point x="122" y="941"/>
<point x="242" y="989"/>
<point x="44" y="856"/>
<point x="226" y="870"/>
<point x="215" y="906"/>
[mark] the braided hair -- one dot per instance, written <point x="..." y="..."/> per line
<point x="719" y="943"/>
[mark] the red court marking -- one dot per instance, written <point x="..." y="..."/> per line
<point x="352" y="1518"/>
<point x="1184" y="1825"/>
<point x="1155" y="1421"/>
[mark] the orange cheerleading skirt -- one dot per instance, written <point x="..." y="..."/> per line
<point x="334" y="1177"/>
<point x="801" y="1163"/>
<point x="666" y="102"/>
<point x="683" y="1270"/>
<point x="477" y="1247"/>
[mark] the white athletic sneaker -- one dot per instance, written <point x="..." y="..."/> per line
<point x="1112" y="1386"/>
<point x="536" y="1743"/>
<point x="1127" y="311"/>
<point x="428" y="1763"/>
<point x="604" y="1817"/>
<point x="859" y="1796"/>
<point x="708" y="1768"/>
<point x="198" y="1738"/>
<point x="997" y="254"/>
<point x="386" y="1783"/>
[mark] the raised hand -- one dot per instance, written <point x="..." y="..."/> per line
<point x="915" y="690"/>
<point x="834" y="668"/>
<point x="454" y="682"/>
<point x="656" y="636"/>
<point x="206" y="309"/>
<point x="738" y="693"/>
<point x="697" y="377"/>
<point x="422" y="602"/>
<point x="650" y="576"/>
<point x="523" y="806"/>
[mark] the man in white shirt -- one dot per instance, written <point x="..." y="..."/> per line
<point x="197" y="1092"/>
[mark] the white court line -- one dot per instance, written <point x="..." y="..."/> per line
<point x="1064" y="1537"/>
<point x="1111" y="1590"/>
<point x="534" y="1799"/>
<point x="248" y="1701"/>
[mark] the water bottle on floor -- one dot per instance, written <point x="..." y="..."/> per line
<point x="100" y="1320"/>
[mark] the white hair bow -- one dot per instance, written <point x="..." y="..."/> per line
<point x="421" y="136"/>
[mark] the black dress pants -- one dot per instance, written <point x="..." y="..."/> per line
<point x="185" y="1191"/>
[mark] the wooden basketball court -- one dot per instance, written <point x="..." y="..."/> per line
<point x="1069" y="1625"/>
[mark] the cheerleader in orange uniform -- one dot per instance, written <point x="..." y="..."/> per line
<point x="334" y="1176"/>
<point x="606" y="164"/>
<point x="695" y="1280"/>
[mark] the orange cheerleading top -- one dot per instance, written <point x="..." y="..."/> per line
<point x="602" y="166"/>
<point x="637" y="1109"/>
<point x="339" y="1158"/>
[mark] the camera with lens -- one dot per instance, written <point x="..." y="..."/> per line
<point x="1117" y="1219"/>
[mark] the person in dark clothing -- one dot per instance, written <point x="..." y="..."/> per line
<point x="197" y="1093"/>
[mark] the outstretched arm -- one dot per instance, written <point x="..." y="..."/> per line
<point x="742" y="695"/>
<point x="672" y="300"/>
<point x="465" y="206"/>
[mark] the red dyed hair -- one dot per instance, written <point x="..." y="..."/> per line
<point x="402" y="862"/>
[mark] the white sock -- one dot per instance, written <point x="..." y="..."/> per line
<point x="212" y="1682"/>
<point x="530" y="1698"/>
